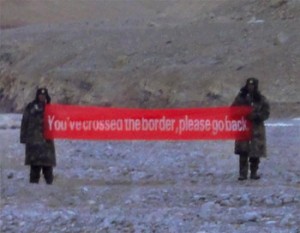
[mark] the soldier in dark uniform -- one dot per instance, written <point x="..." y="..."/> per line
<point x="39" y="152"/>
<point x="252" y="150"/>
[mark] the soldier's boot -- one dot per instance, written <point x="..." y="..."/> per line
<point x="48" y="174"/>
<point x="34" y="176"/>
<point x="243" y="167"/>
<point x="254" y="162"/>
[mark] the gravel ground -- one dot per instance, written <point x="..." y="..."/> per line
<point x="161" y="186"/>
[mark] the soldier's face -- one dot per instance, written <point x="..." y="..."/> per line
<point x="250" y="88"/>
<point x="42" y="98"/>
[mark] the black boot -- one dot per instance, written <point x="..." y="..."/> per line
<point x="48" y="174"/>
<point x="254" y="176"/>
<point x="253" y="168"/>
<point x="34" y="176"/>
<point x="242" y="177"/>
<point x="243" y="167"/>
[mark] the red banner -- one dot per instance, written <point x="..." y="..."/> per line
<point x="101" y="123"/>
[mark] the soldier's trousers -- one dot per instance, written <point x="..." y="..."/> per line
<point x="35" y="173"/>
<point x="244" y="165"/>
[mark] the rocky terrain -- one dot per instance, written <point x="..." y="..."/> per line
<point x="150" y="54"/>
<point x="162" y="53"/>
<point x="162" y="186"/>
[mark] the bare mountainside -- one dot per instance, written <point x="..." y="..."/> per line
<point x="140" y="53"/>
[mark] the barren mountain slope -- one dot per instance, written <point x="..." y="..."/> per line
<point x="169" y="53"/>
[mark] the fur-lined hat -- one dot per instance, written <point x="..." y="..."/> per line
<point x="43" y="91"/>
<point x="252" y="81"/>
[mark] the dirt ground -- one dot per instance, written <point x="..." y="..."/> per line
<point x="163" y="186"/>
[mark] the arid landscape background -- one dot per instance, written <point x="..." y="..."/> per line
<point x="141" y="53"/>
<point x="150" y="54"/>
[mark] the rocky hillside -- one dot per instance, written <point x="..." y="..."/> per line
<point x="140" y="53"/>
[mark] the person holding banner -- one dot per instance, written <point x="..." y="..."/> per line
<point x="250" y="151"/>
<point x="39" y="152"/>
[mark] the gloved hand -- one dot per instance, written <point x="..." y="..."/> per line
<point x="254" y="116"/>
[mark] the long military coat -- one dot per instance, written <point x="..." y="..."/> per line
<point x="39" y="151"/>
<point x="256" y="147"/>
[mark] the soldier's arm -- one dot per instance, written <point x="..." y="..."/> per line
<point x="262" y="113"/>
<point x="237" y="101"/>
<point x="265" y="110"/>
<point x="24" y="125"/>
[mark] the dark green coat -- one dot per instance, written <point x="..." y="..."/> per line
<point x="39" y="152"/>
<point x="256" y="147"/>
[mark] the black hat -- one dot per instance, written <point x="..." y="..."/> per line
<point x="43" y="91"/>
<point x="252" y="81"/>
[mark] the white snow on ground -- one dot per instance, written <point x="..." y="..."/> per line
<point x="279" y="124"/>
